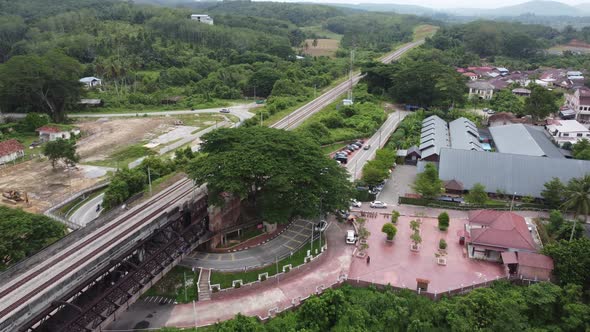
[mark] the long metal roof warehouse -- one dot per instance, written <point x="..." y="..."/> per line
<point x="511" y="173"/>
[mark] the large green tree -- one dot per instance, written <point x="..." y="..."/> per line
<point x="282" y="174"/>
<point x="47" y="84"/>
<point x="572" y="261"/>
<point x="553" y="193"/>
<point x="477" y="194"/>
<point x="581" y="150"/>
<point x="22" y="234"/>
<point x="61" y="149"/>
<point x="541" y="103"/>
<point x="506" y="101"/>
<point x="427" y="183"/>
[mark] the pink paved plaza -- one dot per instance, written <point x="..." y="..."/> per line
<point x="395" y="264"/>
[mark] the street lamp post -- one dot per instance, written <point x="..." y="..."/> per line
<point x="512" y="203"/>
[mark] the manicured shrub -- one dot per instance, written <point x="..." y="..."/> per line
<point x="443" y="221"/>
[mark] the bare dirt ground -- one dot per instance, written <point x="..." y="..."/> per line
<point x="325" y="47"/>
<point x="45" y="186"/>
<point x="102" y="137"/>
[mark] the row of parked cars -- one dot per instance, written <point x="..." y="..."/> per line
<point x="342" y="155"/>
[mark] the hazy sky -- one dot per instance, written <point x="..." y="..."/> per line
<point x="448" y="3"/>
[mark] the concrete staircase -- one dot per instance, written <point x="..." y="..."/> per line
<point x="204" y="291"/>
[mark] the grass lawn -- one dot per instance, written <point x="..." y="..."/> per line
<point x="173" y="286"/>
<point x="122" y="157"/>
<point x="321" y="32"/>
<point x="225" y="279"/>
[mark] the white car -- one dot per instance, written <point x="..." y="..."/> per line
<point x="350" y="237"/>
<point x="355" y="203"/>
<point x="378" y="205"/>
<point x="321" y="226"/>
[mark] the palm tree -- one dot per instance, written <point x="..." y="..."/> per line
<point x="577" y="197"/>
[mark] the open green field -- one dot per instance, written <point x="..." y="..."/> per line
<point x="425" y="30"/>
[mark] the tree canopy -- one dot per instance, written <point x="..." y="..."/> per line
<point x="22" y="234"/>
<point x="61" y="149"/>
<point x="427" y="183"/>
<point x="282" y="174"/>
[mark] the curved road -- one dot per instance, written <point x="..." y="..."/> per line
<point x="292" y="239"/>
<point x="87" y="211"/>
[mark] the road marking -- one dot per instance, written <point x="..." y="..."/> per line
<point x="291" y="248"/>
<point x="233" y="257"/>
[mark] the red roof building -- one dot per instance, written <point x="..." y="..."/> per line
<point x="493" y="232"/>
<point x="11" y="150"/>
<point x="526" y="265"/>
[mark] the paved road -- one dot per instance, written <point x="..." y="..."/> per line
<point x="358" y="160"/>
<point x="297" y="117"/>
<point x="87" y="212"/>
<point x="241" y="111"/>
<point x="293" y="238"/>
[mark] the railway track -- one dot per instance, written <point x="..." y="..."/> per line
<point x="83" y="251"/>
<point x="297" y="117"/>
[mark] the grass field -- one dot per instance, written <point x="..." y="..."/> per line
<point x="322" y="33"/>
<point x="122" y="157"/>
<point x="425" y="30"/>
<point x="324" y="47"/>
<point x="172" y="285"/>
<point x="140" y="109"/>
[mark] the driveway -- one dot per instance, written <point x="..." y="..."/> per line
<point x="289" y="241"/>
<point x="250" y="301"/>
<point x="400" y="182"/>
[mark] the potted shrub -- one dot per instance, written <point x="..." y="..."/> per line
<point x="394" y="216"/>
<point x="389" y="230"/>
<point x="442" y="244"/>
<point x="443" y="221"/>
<point x="415" y="225"/>
<point x="416" y="240"/>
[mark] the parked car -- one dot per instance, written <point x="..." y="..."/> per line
<point x="321" y="226"/>
<point x="343" y="213"/>
<point x="378" y="205"/>
<point x="225" y="110"/>
<point x="357" y="145"/>
<point x="367" y="147"/>
<point x="351" y="237"/>
<point x="355" y="203"/>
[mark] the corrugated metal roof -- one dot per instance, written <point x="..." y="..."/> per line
<point x="434" y="136"/>
<point x="511" y="173"/>
<point x="524" y="140"/>
<point x="464" y="135"/>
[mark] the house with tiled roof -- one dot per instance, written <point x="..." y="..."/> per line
<point x="11" y="150"/>
<point x="52" y="132"/>
<point x="490" y="233"/>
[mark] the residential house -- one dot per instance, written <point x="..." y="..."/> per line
<point x="91" y="82"/>
<point x="523" y="175"/>
<point x="563" y="131"/>
<point x="471" y="76"/>
<point x="464" y="135"/>
<point x="481" y="72"/>
<point x="502" y="71"/>
<point x="11" y="150"/>
<point x="575" y="75"/>
<point x="521" y="92"/>
<point x="528" y="265"/>
<point x="489" y="233"/>
<point x="481" y="90"/>
<point x="552" y="77"/>
<point x="434" y="136"/>
<point x="499" y="83"/>
<point x="579" y="101"/>
<point x="524" y="140"/>
<point x="454" y="187"/>
<point x="411" y="155"/>
<point x="202" y="18"/>
<point x="53" y="132"/>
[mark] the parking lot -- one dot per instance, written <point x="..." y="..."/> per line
<point x="399" y="183"/>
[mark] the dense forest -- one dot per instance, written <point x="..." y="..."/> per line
<point x="148" y="54"/>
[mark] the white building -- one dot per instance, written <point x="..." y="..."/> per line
<point x="563" y="131"/>
<point x="11" y="150"/>
<point x="91" y="82"/>
<point x="202" y="18"/>
<point x="52" y="132"/>
<point x="579" y="101"/>
<point x="481" y="90"/>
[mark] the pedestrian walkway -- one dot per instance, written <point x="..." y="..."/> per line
<point x="264" y="299"/>
<point x="204" y="291"/>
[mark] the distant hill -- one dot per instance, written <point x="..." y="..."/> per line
<point x="538" y="8"/>
<point x="389" y="7"/>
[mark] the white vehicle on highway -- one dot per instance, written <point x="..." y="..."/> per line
<point x="350" y="237"/>
<point x="355" y="203"/>
<point x="378" y="205"/>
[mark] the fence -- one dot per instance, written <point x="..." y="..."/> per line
<point x="53" y="214"/>
<point x="467" y="207"/>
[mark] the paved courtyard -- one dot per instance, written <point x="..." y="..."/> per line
<point x="399" y="183"/>
<point x="395" y="264"/>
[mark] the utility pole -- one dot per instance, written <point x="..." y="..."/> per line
<point x="314" y="90"/>
<point x="260" y="119"/>
<point x="185" y="296"/>
<point x="195" y="314"/>
<point x="311" y="242"/>
<point x="150" y="179"/>
<point x="350" y="74"/>
<point x="512" y="203"/>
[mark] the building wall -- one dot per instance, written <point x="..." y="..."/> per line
<point x="10" y="157"/>
<point x="222" y="218"/>
<point x="528" y="272"/>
